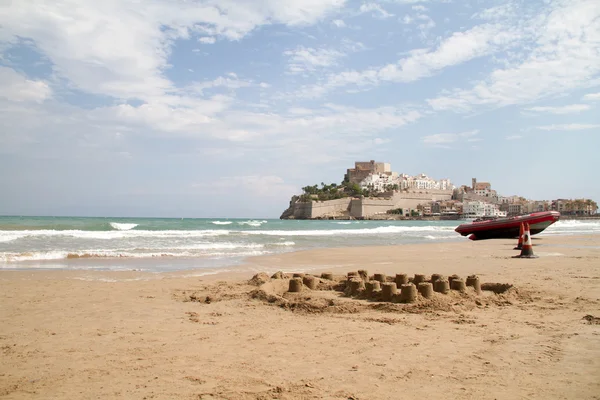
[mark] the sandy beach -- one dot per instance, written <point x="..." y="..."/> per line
<point x="138" y="335"/>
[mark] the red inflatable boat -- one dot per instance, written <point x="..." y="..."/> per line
<point x="507" y="228"/>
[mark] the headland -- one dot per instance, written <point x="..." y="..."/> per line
<point x="371" y="190"/>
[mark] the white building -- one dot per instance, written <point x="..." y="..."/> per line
<point x="379" y="182"/>
<point x="445" y="184"/>
<point x="423" y="182"/>
<point x="492" y="210"/>
<point x="473" y="209"/>
<point x="479" y="209"/>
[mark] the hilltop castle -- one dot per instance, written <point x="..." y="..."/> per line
<point x="370" y="188"/>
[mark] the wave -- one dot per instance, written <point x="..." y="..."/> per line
<point x="122" y="227"/>
<point x="573" y="227"/>
<point x="126" y="231"/>
<point x="221" y="222"/>
<point x="283" y="244"/>
<point x="104" y="254"/>
<point x="252" y="223"/>
<point x="7" y="236"/>
<point x="362" y="231"/>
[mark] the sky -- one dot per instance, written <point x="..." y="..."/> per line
<point x="226" y="108"/>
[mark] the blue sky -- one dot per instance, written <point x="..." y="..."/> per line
<point x="226" y="108"/>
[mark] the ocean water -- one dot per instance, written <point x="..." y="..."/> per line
<point x="169" y="244"/>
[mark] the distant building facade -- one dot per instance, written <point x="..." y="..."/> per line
<point x="363" y="169"/>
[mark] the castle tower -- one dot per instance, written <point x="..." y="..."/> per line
<point x="474" y="181"/>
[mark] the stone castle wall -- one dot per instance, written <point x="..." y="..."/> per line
<point x="366" y="207"/>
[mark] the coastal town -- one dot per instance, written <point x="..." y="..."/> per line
<point x="371" y="190"/>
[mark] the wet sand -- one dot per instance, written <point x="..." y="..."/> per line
<point x="136" y="335"/>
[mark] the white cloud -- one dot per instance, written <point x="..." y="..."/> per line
<point x="407" y="19"/>
<point x="456" y="49"/>
<point x="426" y="23"/>
<point x="339" y="23"/>
<point x="592" y="96"/>
<point x="568" y="127"/>
<point x="423" y="22"/>
<point x="16" y="87"/>
<point x="119" y="49"/>
<point x="407" y="1"/>
<point x="303" y="59"/>
<point x="448" y="138"/>
<point x="503" y="11"/>
<point x="419" y="8"/>
<point x="375" y="9"/>
<point x="514" y="137"/>
<point x="227" y="82"/>
<point x="568" y="109"/>
<point x="564" y="57"/>
<point x="207" y="40"/>
<point x="299" y="128"/>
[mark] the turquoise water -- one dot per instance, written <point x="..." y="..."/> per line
<point x="165" y="244"/>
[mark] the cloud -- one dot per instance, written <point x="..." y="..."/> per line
<point x="407" y="1"/>
<point x="303" y="59"/>
<point x="514" y="137"/>
<point x="564" y="56"/>
<point x="16" y="87"/>
<point x="568" y="109"/>
<point x="444" y="139"/>
<point x="503" y="11"/>
<point x="456" y="49"/>
<point x="230" y="81"/>
<point x="339" y="23"/>
<point x="125" y="57"/>
<point x="215" y="118"/>
<point x="207" y="40"/>
<point x="592" y="96"/>
<point x="375" y="9"/>
<point x="568" y="127"/>
<point x="423" y="22"/>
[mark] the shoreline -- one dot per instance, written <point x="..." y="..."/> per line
<point x="303" y="260"/>
<point x="107" y="334"/>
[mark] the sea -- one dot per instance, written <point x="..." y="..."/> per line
<point x="176" y="244"/>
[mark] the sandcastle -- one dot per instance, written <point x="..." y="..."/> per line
<point x="379" y="287"/>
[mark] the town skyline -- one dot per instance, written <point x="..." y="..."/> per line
<point x="418" y="196"/>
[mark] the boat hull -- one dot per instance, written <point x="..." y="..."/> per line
<point x="508" y="228"/>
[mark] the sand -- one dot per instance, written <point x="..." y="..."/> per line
<point x="135" y="335"/>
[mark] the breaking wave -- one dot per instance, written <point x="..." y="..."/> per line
<point x="573" y="227"/>
<point x="6" y="236"/>
<point x="221" y="222"/>
<point x="122" y="227"/>
<point x="252" y="223"/>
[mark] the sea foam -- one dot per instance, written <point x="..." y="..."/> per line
<point x="252" y="223"/>
<point x="122" y="226"/>
<point x="362" y="231"/>
<point x="6" y="236"/>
